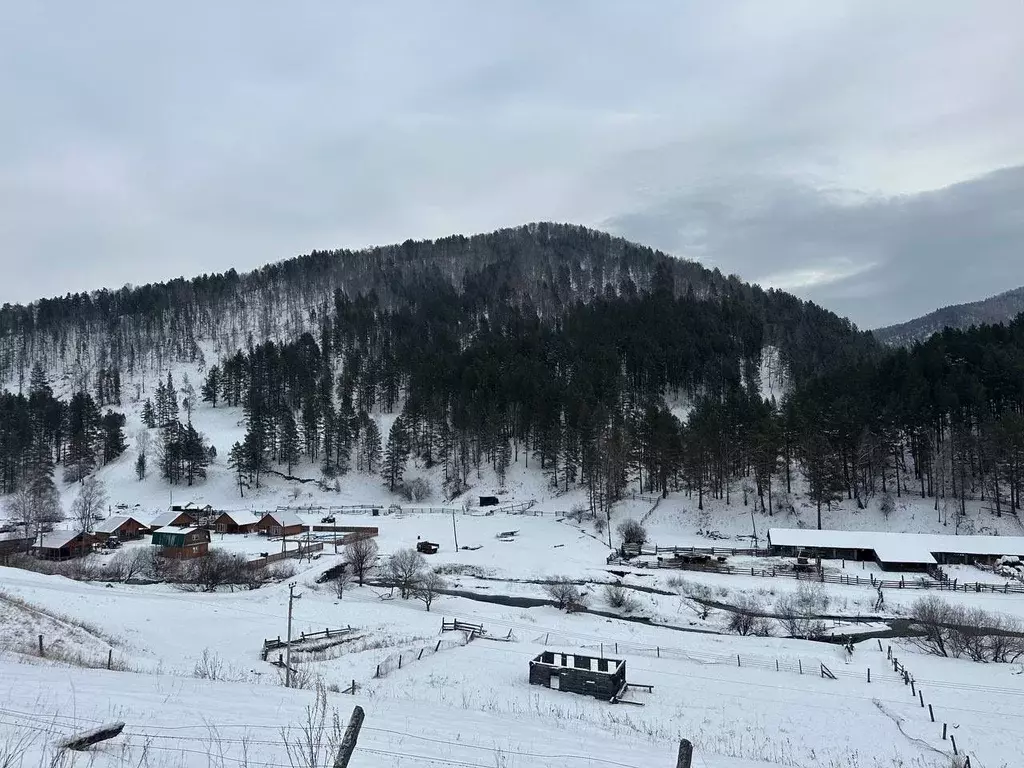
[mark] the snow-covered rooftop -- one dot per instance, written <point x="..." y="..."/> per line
<point x="58" y="539"/>
<point x="111" y="524"/>
<point x="166" y="518"/>
<point x="286" y="519"/>
<point x="242" y="518"/>
<point x="899" y="547"/>
<point x="173" y="529"/>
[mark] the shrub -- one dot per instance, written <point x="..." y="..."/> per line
<point x="567" y="596"/>
<point x="429" y="587"/>
<point x="745" y="619"/>
<point x="414" y="489"/>
<point x="800" y="611"/>
<point x="632" y="532"/>
<point x="617" y="596"/>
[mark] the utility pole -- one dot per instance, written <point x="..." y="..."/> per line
<point x="288" y="648"/>
<point x="455" y="531"/>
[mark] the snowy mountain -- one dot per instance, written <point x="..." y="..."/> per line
<point x="995" y="309"/>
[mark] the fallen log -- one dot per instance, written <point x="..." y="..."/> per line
<point x="80" y="741"/>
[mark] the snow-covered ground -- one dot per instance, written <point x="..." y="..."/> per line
<point x="189" y="680"/>
<point x="470" y="703"/>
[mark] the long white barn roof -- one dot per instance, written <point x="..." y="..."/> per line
<point x="899" y="547"/>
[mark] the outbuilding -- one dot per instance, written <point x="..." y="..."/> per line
<point x="236" y="522"/>
<point x="919" y="552"/>
<point x="181" y="543"/>
<point x="281" y="523"/>
<point x="124" y="527"/>
<point x="601" y="678"/>
<point x="63" y="545"/>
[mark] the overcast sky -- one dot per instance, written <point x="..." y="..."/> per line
<point x="868" y="155"/>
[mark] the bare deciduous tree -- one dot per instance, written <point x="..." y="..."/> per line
<point x="89" y="503"/>
<point x="130" y="563"/>
<point x="800" y="611"/>
<point x="632" y="532"/>
<point x="745" y="619"/>
<point x="405" y="570"/>
<point x="342" y="581"/>
<point x="429" y="587"/>
<point x="360" y="556"/>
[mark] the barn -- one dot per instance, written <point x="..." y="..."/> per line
<point x="181" y="543"/>
<point x="587" y="675"/>
<point x="13" y="545"/>
<point x="124" y="527"/>
<point x="176" y="518"/>
<point x="63" y="545"/>
<point x="920" y="552"/>
<point x="235" y="522"/>
<point x="280" y="523"/>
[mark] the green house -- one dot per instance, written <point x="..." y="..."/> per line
<point x="182" y="543"/>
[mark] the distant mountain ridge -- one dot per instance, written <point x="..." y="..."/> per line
<point x="996" y="309"/>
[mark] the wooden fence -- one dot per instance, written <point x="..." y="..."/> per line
<point x="290" y="554"/>
<point x="276" y="643"/>
<point x="457" y="625"/>
<point x="919" y="582"/>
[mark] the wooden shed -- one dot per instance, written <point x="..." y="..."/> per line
<point x="181" y="543"/>
<point x="63" y="545"/>
<point x="588" y="675"/>
<point x="280" y="524"/>
<point x="124" y="527"/>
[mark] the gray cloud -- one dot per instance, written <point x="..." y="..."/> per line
<point x="876" y="260"/>
<point x="143" y="144"/>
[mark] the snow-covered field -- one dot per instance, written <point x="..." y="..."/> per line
<point x="191" y="685"/>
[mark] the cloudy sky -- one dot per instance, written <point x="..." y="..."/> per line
<point x="864" y="154"/>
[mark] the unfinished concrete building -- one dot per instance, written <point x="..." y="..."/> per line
<point x="589" y="675"/>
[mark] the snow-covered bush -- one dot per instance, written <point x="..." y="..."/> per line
<point x="617" y="596"/>
<point x="566" y="595"/>
<point x="744" y="619"/>
<point x="800" y="611"/>
<point x="632" y="532"/>
<point x="414" y="489"/>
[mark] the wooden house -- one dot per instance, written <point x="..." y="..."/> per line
<point x="63" y="545"/>
<point x="235" y="522"/>
<point x="181" y="543"/>
<point x="176" y="518"/>
<point x="280" y="524"/>
<point x="124" y="527"/>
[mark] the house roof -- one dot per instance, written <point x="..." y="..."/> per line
<point x="899" y="547"/>
<point x="58" y="539"/>
<point x="242" y="518"/>
<point x="111" y="524"/>
<point x="167" y="518"/>
<point x="172" y="529"/>
<point x="285" y="519"/>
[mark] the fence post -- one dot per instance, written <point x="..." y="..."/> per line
<point x="399" y="661"/>
<point x="685" y="758"/>
<point x="348" y="741"/>
<point x="41" y="646"/>
<point x="952" y="740"/>
<point x="616" y="649"/>
<point x="801" y="665"/>
<point x="931" y="713"/>
<point x="110" y="659"/>
<point x="657" y="648"/>
<point x="421" y="655"/>
<point x="776" y="665"/>
<point x="738" y="660"/>
<point x="869" y="674"/>
<point x="438" y="648"/>
<point x="943" y="731"/>
<point x="378" y="671"/>
<point x="912" y="691"/>
<point x="920" y="696"/>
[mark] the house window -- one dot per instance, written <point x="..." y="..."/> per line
<point x="275" y="530"/>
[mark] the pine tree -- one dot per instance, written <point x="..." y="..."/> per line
<point x="211" y="386"/>
<point x="370" y="445"/>
<point x="396" y="454"/>
<point x="288" y="448"/>
<point x="237" y="463"/>
<point x="140" y="466"/>
<point x="114" y="444"/>
<point x="149" y="414"/>
<point x="195" y="455"/>
<point x="84" y="437"/>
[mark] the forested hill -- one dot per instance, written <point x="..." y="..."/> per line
<point x="996" y="309"/>
<point x="544" y="270"/>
